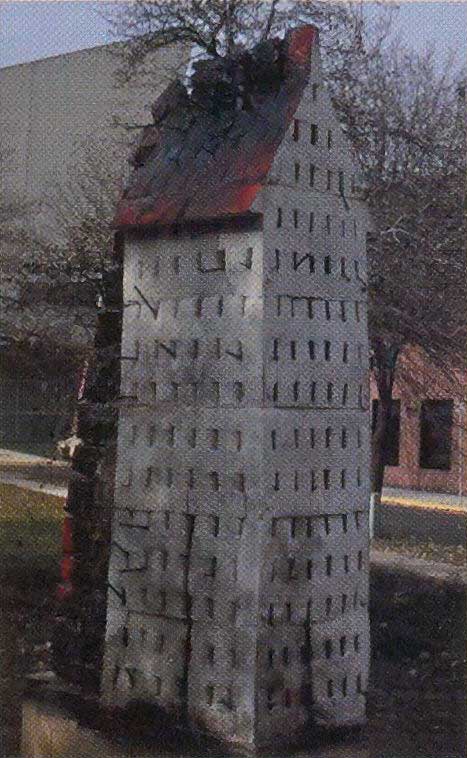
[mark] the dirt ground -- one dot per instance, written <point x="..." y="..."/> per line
<point x="455" y="555"/>
<point x="417" y="691"/>
<point x="418" y="681"/>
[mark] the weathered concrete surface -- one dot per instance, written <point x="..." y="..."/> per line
<point x="34" y="472"/>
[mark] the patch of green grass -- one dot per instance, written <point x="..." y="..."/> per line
<point x="30" y="532"/>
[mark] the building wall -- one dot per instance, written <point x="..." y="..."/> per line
<point x="56" y="119"/>
<point x="420" y="380"/>
<point x="52" y="108"/>
<point x="240" y="539"/>
<point x="315" y="561"/>
<point x="189" y="471"/>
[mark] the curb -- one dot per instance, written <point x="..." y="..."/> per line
<point x="33" y="485"/>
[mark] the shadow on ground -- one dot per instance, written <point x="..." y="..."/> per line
<point x="417" y="691"/>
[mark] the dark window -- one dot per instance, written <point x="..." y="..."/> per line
<point x="312" y="175"/>
<point x="435" y="434"/>
<point x="314" y="134"/>
<point x="391" y="447"/>
<point x="341" y="182"/>
<point x="296" y="130"/>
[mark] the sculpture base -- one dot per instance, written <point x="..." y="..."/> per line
<point x="58" y="723"/>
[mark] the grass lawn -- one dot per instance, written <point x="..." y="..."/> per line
<point x="30" y="534"/>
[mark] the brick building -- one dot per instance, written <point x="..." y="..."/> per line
<point x="428" y="434"/>
<point x="239" y="567"/>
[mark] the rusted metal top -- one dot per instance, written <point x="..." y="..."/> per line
<point x="209" y="152"/>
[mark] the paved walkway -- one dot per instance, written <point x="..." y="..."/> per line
<point x="429" y="500"/>
<point x="33" y="472"/>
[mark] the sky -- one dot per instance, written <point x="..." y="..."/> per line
<point x="33" y="29"/>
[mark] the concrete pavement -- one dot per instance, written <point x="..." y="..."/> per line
<point x="34" y="472"/>
<point x="418" y="499"/>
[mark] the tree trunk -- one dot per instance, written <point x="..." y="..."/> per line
<point x="384" y="368"/>
<point x="80" y="629"/>
<point x="378" y="459"/>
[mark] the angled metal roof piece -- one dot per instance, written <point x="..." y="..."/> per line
<point x="205" y="159"/>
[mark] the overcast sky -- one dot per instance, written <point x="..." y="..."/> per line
<point x="35" y="29"/>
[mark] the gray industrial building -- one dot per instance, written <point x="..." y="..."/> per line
<point x="58" y="115"/>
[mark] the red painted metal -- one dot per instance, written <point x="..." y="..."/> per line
<point x="197" y="164"/>
<point x="67" y="534"/>
<point x="66" y="569"/>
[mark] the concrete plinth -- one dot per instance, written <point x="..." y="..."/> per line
<point x="57" y="725"/>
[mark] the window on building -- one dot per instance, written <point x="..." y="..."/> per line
<point x="391" y="448"/>
<point x="329" y="139"/>
<point x="435" y="434"/>
<point x="314" y="134"/>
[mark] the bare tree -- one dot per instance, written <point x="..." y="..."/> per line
<point x="59" y="262"/>
<point x="12" y="235"/>
<point x="413" y="154"/>
<point x="224" y="29"/>
<point x="405" y="120"/>
<point x="405" y="117"/>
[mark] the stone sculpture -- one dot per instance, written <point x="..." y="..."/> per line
<point x="238" y="592"/>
